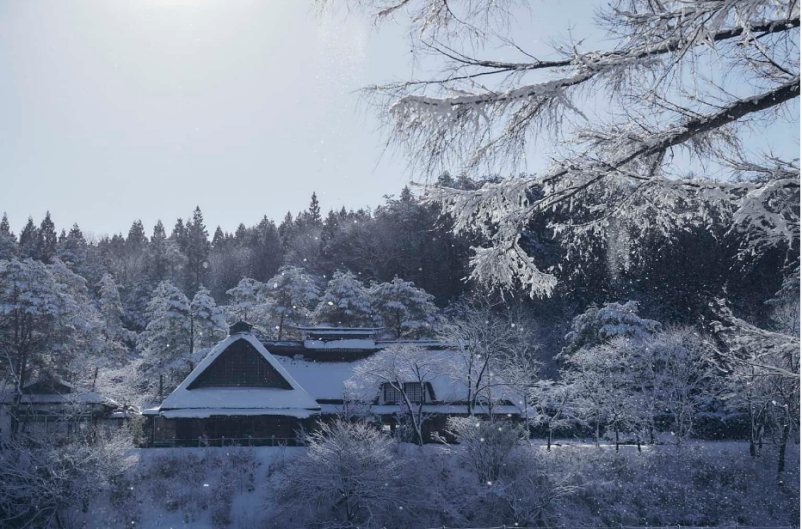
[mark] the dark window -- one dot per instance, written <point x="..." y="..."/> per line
<point x="240" y="365"/>
<point x="393" y="395"/>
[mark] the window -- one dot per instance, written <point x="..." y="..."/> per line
<point x="392" y="395"/>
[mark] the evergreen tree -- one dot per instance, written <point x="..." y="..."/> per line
<point x="8" y="241"/>
<point x="167" y="336"/>
<point x="159" y="260"/>
<point x="36" y="316"/>
<point x="346" y="302"/>
<point x="245" y="299"/>
<point x="312" y="217"/>
<point x="179" y="234"/>
<point x="208" y="323"/>
<point x="196" y="250"/>
<point x="28" y="240"/>
<point x="406" y="311"/>
<point x="266" y="255"/>
<point x="47" y="243"/>
<point x="72" y="249"/>
<point x="290" y="294"/>
<point x="111" y="309"/>
<point x="219" y="238"/>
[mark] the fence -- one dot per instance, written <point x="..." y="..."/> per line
<point x="226" y="441"/>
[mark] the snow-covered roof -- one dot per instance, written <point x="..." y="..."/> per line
<point x="206" y="401"/>
<point x="56" y="392"/>
<point x="326" y="380"/>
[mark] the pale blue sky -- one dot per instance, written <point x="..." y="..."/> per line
<point x="112" y="111"/>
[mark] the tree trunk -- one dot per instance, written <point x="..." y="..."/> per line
<point x="616" y="436"/>
<point x="281" y="326"/>
<point x="783" y="442"/>
<point x="597" y="431"/>
<point x="548" y="443"/>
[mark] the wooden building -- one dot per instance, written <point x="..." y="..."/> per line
<point x="255" y="392"/>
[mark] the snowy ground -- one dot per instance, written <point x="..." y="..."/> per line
<point x="228" y="487"/>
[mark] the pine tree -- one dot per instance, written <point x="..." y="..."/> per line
<point x="405" y="310"/>
<point x="245" y="299"/>
<point x="179" y="234"/>
<point x="113" y="314"/>
<point x="290" y="294"/>
<point x="313" y="218"/>
<point x="8" y="241"/>
<point x="266" y="254"/>
<point x="346" y="302"/>
<point x="208" y="323"/>
<point x="28" y="240"/>
<point x="72" y="249"/>
<point x="219" y="239"/>
<point x="47" y="243"/>
<point x="159" y="261"/>
<point x="36" y="315"/>
<point x="197" y="251"/>
<point x="167" y="335"/>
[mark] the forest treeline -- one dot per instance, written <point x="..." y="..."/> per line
<point x="673" y="278"/>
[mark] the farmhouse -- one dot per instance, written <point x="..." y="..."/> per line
<point x="248" y="391"/>
<point x="54" y="408"/>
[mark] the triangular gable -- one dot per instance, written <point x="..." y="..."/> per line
<point x="240" y="365"/>
<point x="260" y="397"/>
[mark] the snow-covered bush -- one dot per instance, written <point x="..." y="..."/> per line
<point x="351" y="475"/>
<point x="484" y="446"/>
<point x="43" y="479"/>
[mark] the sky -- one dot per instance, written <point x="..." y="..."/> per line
<point x="112" y="111"/>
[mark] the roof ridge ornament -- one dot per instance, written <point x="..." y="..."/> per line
<point x="241" y="327"/>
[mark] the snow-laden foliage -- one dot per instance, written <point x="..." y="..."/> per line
<point x="597" y="325"/>
<point x="483" y="345"/>
<point x="38" y="318"/>
<point x="168" y="335"/>
<point x="290" y="294"/>
<point x="42" y="480"/>
<point x="484" y="446"/>
<point x="246" y="299"/>
<point x="208" y="322"/>
<point x="405" y="310"/>
<point x="484" y="114"/>
<point x="113" y="313"/>
<point x="396" y="366"/>
<point x="346" y="302"/>
<point x="350" y="475"/>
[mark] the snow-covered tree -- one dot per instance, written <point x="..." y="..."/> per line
<point x="617" y="166"/>
<point x="349" y="470"/>
<point x="407" y="369"/>
<point x="405" y="310"/>
<point x="167" y="336"/>
<point x="345" y="302"/>
<point x="484" y="445"/>
<point x="246" y="299"/>
<point x="37" y="313"/>
<point x="601" y="376"/>
<point x="113" y="314"/>
<point x="552" y="406"/>
<point x="207" y="320"/>
<point x="290" y="294"/>
<point x="481" y="343"/>
<point x="45" y="478"/>
<point x="8" y="241"/>
<point x="598" y="325"/>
